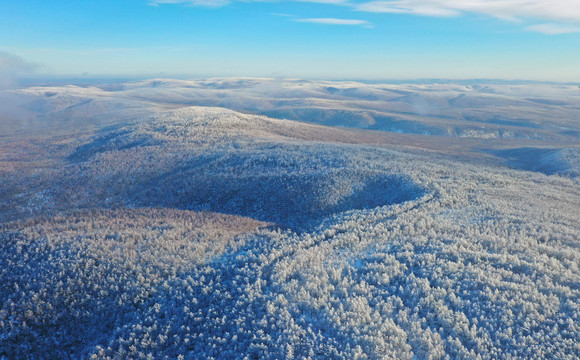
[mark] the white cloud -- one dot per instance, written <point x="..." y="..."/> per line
<point x="554" y="29"/>
<point x="555" y="10"/>
<point x="207" y="3"/>
<point x="406" y="7"/>
<point x="332" y="21"/>
<point x="564" y="15"/>
<point x="335" y="2"/>
<point x="558" y="10"/>
<point x="219" y="3"/>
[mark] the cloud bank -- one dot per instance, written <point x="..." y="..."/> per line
<point x="10" y="67"/>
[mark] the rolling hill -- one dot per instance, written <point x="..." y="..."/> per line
<point x="173" y="219"/>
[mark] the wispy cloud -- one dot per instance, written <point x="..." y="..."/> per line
<point x="563" y="15"/>
<point x="407" y="7"/>
<point x="335" y="2"/>
<point x="220" y="3"/>
<point x="554" y="29"/>
<point x="557" y="10"/>
<point x="206" y="3"/>
<point x="332" y="21"/>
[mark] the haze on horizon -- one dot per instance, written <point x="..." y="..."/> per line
<point x="321" y="39"/>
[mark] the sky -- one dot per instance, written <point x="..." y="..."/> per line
<point x="315" y="39"/>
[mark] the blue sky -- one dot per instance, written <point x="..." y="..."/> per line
<point x="322" y="39"/>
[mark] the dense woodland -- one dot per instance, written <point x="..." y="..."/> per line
<point x="206" y="233"/>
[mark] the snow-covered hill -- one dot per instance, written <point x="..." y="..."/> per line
<point x="135" y="225"/>
<point x="474" y="111"/>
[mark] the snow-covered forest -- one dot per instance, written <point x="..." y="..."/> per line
<point x="175" y="220"/>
